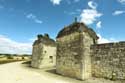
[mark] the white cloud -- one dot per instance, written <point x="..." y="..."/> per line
<point x="38" y="21"/>
<point x="89" y="16"/>
<point x="118" y="12"/>
<point x="56" y="2"/>
<point x="31" y="16"/>
<point x="121" y="1"/>
<point x="92" y="4"/>
<point x="105" y="40"/>
<point x="99" y="24"/>
<point x="34" y="18"/>
<point x="8" y="45"/>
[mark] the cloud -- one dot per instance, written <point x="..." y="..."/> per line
<point x="31" y="16"/>
<point x="34" y="18"/>
<point x="105" y="40"/>
<point x="121" y="1"/>
<point x="92" y="4"/>
<point x="99" y="24"/>
<point x="10" y="46"/>
<point x="89" y="16"/>
<point x="118" y="12"/>
<point x="38" y="21"/>
<point x="55" y="2"/>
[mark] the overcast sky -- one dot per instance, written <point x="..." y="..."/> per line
<point x="22" y="20"/>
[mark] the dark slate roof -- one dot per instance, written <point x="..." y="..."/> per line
<point x="77" y="27"/>
<point x="44" y="40"/>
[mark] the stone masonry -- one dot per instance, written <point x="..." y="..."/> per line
<point x="44" y="52"/>
<point x="77" y="54"/>
<point x="108" y="60"/>
<point x="73" y="51"/>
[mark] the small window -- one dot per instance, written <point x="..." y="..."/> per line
<point x="51" y="57"/>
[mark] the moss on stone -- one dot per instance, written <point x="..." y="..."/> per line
<point x="44" y="40"/>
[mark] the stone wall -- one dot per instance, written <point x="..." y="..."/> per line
<point x="44" y="52"/>
<point x="68" y="56"/>
<point x="49" y="57"/>
<point x="108" y="60"/>
<point x="43" y="56"/>
<point x="73" y="55"/>
<point x="86" y="57"/>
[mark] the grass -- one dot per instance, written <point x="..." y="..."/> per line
<point x="9" y="61"/>
<point x="27" y="62"/>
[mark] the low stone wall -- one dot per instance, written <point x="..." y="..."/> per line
<point x="108" y="60"/>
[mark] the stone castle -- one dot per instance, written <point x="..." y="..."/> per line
<point x="76" y="53"/>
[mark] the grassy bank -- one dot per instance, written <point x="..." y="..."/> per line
<point x="9" y="61"/>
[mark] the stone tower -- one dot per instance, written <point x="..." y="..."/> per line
<point x="73" y="51"/>
<point x="44" y="52"/>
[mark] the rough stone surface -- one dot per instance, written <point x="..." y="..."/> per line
<point x="108" y="60"/>
<point x="73" y="51"/>
<point x="44" y="52"/>
<point x="78" y="55"/>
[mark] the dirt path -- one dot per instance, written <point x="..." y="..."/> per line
<point x="20" y="73"/>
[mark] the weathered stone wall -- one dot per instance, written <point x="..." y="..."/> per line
<point x="73" y="55"/>
<point x="43" y="56"/>
<point x="36" y="53"/>
<point x="69" y="55"/>
<point x="108" y="60"/>
<point x="86" y="57"/>
<point x="44" y="52"/>
<point x="49" y="57"/>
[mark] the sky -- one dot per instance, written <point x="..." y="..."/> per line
<point x="22" y="20"/>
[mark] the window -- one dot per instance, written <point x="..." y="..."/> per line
<point x="51" y="59"/>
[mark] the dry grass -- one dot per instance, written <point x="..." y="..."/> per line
<point x="9" y="61"/>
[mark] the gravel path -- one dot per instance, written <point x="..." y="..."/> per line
<point x="20" y="73"/>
